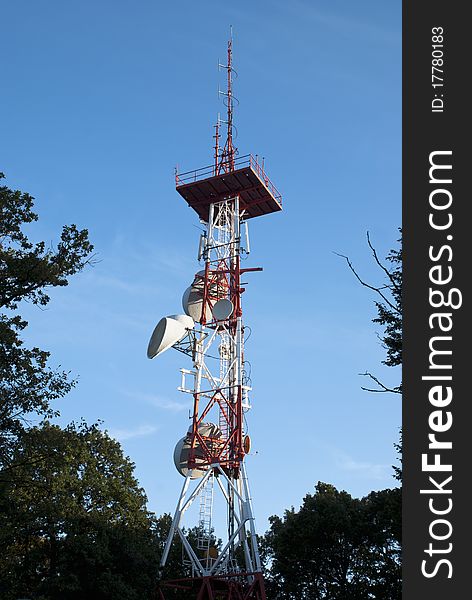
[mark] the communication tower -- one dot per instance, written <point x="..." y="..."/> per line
<point x="211" y="454"/>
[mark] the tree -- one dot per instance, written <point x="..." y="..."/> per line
<point x="389" y="309"/>
<point x="335" y="547"/>
<point x="74" y="523"/>
<point x="389" y="315"/>
<point x="27" y="271"/>
<point x="383" y="565"/>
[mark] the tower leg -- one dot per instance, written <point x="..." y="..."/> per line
<point x="222" y="579"/>
<point x="175" y="520"/>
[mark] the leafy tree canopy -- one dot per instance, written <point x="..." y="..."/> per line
<point x="74" y="523"/>
<point x="336" y="547"/>
<point x="27" y="271"/>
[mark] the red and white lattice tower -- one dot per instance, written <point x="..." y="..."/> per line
<point x="211" y="455"/>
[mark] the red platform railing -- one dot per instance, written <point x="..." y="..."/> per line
<point x="248" y="160"/>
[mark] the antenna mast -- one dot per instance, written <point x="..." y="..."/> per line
<point x="229" y="151"/>
<point x="211" y="455"/>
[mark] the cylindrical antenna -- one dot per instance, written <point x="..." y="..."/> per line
<point x="217" y="144"/>
<point x="247" y="248"/>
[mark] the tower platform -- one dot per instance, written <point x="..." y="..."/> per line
<point x="257" y="194"/>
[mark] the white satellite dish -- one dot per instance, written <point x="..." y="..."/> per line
<point x="185" y="320"/>
<point x="192" y="299"/>
<point x="168" y="332"/>
<point x="182" y="449"/>
<point x="185" y="298"/>
<point x="222" y="309"/>
<point x="181" y="453"/>
<point x="194" y="304"/>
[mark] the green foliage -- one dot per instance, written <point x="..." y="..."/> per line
<point x="390" y="316"/>
<point x="389" y="311"/>
<point x="74" y="521"/>
<point x="336" y="547"/>
<point x="27" y="270"/>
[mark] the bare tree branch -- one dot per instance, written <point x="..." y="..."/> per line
<point x="383" y="387"/>
<point x="367" y="285"/>
<point x="383" y="267"/>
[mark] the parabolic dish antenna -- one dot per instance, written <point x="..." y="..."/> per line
<point x="192" y="302"/>
<point x="222" y="309"/>
<point x="208" y="431"/>
<point x="168" y="332"/>
<point x="185" y="298"/>
<point x="192" y="299"/>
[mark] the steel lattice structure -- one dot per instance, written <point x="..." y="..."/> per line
<point x="225" y="196"/>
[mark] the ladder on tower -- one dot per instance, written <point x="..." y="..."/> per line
<point x="205" y="520"/>
<point x="225" y="355"/>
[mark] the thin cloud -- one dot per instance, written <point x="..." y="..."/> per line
<point x="159" y="401"/>
<point x="121" y="284"/>
<point x="345" y="24"/>
<point x="128" y="434"/>
<point x="365" y="469"/>
<point x="158" y="259"/>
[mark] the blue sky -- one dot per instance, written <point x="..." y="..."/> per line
<point x="100" y="101"/>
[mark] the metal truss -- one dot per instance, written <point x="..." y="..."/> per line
<point x="220" y="396"/>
